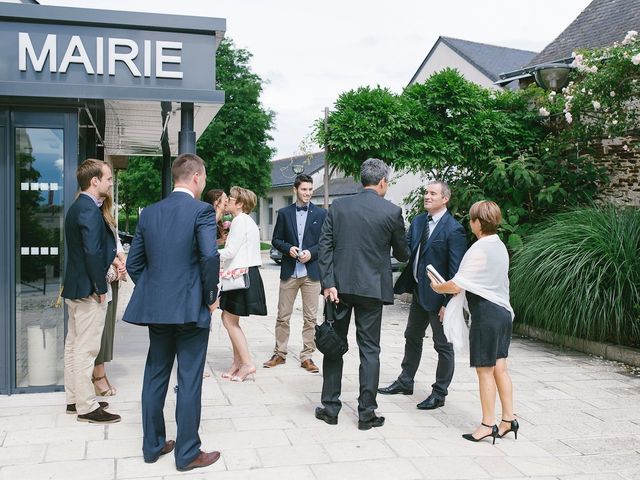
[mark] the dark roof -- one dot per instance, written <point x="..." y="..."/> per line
<point x="282" y="174"/>
<point x="339" y="187"/>
<point x="601" y="24"/>
<point x="491" y="60"/>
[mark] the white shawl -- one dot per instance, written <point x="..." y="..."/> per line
<point x="484" y="270"/>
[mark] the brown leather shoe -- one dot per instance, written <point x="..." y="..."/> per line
<point x="168" y="448"/>
<point x="203" y="460"/>
<point x="309" y="366"/>
<point x="274" y="361"/>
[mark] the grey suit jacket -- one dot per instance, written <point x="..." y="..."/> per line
<point x="356" y="239"/>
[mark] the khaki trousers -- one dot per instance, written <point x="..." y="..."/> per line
<point x="86" y="322"/>
<point x="310" y="293"/>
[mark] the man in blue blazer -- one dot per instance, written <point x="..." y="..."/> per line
<point x="296" y="235"/>
<point x="90" y="248"/>
<point x="174" y="264"/>
<point x="435" y="238"/>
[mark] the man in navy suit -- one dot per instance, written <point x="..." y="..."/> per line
<point x="91" y="247"/>
<point x="435" y="238"/>
<point x="174" y="263"/>
<point x="296" y="235"/>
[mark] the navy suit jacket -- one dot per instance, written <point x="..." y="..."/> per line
<point x="174" y="263"/>
<point x="446" y="246"/>
<point x="285" y="236"/>
<point x="91" y="248"/>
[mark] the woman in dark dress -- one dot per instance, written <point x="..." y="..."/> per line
<point x="483" y="278"/>
<point x="241" y="253"/>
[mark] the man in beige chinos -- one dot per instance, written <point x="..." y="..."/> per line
<point x="296" y="235"/>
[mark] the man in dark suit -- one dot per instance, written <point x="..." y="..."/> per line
<point x="174" y="263"/>
<point x="355" y="270"/>
<point x="296" y="235"/>
<point x="435" y="238"/>
<point x="90" y="247"/>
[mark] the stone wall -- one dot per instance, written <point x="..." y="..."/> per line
<point x="623" y="163"/>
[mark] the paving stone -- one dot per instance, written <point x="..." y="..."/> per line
<point x="394" y="468"/>
<point x="241" y="458"/>
<point x="359" y="450"/>
<point x="52" y="435"/>
<point x="115" y="448"/>
<point x="544" y="466"/>
<point x="454" y="468"/>
<point x="21" y="454"/>
<point x="292" y="455"/>
<point x="67" y="450"/>
<point x="296" y="472"/>
<point x="75" y="470"/>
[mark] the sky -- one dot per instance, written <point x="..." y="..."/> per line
<point x="308" y="53"/>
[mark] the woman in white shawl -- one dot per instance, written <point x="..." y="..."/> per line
<point x="482" y="284"/>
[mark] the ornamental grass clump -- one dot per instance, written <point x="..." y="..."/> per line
<point x="579" y="275"/>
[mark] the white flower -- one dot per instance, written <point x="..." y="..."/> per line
<point x="448" y="112"/>
<point x="568" y="117"/>
<point x="543" y="112"/>
<point x="612" y="93"/>
<point x="577" y="60"/>
<point x="552" y="93"/>
<point x="625" y="148"/>
<point x="584" y="90"/>
<point x="596" y="105"/>
<point x="631" y="34"/>
<point x="614" y="122"/>
<point x="636" y="59"/>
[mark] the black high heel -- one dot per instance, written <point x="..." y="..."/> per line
<point x="513" y="428"/>
<point x="494" y="434"/>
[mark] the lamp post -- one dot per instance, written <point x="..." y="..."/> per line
<point x="552" y="76"/>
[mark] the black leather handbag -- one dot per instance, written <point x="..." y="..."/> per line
<point x="327" y="339"/>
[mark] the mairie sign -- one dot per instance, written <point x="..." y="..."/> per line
<point x="159" y="58"/>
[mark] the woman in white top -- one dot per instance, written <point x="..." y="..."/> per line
<point x="241" y="251"/>
<point x="483" y="281"/>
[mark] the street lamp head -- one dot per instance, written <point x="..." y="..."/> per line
<point x="297" y="169"/>
<point x="552" y="76"/>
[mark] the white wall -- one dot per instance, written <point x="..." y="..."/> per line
<point x="443" y="57"/>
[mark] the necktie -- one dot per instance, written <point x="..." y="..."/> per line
<point x="425" y="236"/>
<point x="302" y="209"/>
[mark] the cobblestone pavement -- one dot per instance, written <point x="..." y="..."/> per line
<point x="579" y="416"/>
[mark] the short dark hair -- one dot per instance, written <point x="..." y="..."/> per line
<point x="87" y="170"/>
<point x="372" y="171"/>
<point x="302" y="178"/>
<point x="185" y="166"/>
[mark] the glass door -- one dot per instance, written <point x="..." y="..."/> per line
<point x="42" y="151"/>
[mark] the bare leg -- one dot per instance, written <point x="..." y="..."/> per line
<point x="505" y="391"/>
<point x="241" y="355"/>
<point x="487" y="386"/>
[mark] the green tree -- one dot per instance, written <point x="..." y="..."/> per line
<point x="139" y="185"/>
<point x="234" y="146"/>
<point x="486" y="144"/>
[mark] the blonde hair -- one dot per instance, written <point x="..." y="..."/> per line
<point x="488" y="214"/>
<point x="244" y="196"/>
<point x="107" y="210"/>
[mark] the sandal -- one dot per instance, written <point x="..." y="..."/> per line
<point x="106" y="393"/>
